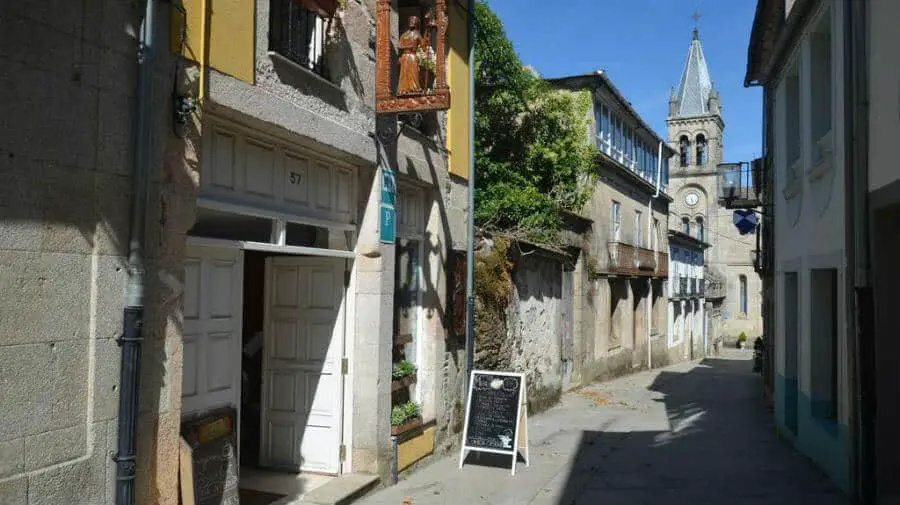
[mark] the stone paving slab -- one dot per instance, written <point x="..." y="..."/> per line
<point x="693" y="433"/>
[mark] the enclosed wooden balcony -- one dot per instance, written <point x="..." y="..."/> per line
<point x="662" y="264"/>
<point x="627" y="259"/>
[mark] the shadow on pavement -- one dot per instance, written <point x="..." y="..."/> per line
<point x="721" y="448"/>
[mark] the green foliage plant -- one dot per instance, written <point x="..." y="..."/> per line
<point x="404" y="412"/>
<point x="532" y="153"/>
<point x="403" y="368"/>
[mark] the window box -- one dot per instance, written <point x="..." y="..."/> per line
<point x="403" y="339"/>
<point x="407" y="425"/>
<point x="403" y="382"/>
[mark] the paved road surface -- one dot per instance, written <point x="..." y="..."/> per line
<point x="688" y="434"/>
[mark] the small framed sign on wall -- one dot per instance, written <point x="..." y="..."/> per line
<point x="496" y="416"/>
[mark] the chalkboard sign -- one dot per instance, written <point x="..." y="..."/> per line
<point x="495" y="415"/>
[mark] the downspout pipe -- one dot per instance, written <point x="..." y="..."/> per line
<point x="470" y="211"/>
<point x="659" y="243"/>
<point x="859" y="324"/>
<point x="133" y="317"/>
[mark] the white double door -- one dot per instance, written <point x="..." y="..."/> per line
<point x="213" y="283"/>
<point x="302" y="374"/>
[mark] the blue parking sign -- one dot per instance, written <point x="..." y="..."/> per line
<point x="388" y="224"/>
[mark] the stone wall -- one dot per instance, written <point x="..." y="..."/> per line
<point x="536" y="327"/>
<point x="66" y="162"/>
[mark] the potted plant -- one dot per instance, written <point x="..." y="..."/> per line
<point x="403" y="374"/>
<point x="427" y="65"/>
<point x="742" y="340"/>
<point x="405" y="417"/>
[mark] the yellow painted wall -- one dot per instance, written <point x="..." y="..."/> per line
<point x="414" y="449"/>
<point x="458" y="80"/>
<point x="230" y="25"/>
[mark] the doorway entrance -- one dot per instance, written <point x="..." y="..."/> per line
<point x="302" y="379"/>
<point x="264" y="334"/>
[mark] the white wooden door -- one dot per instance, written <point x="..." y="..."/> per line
<point x="302" y="376"/>
<point x="213" y="287"/>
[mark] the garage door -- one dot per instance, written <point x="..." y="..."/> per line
<point x="213" y="284"/>
<point x="302" y="376"/>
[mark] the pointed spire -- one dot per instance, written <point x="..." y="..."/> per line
<point x="694" y="90"/>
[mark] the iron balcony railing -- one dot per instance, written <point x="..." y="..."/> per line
<point x="688" y="287"/>
<point x="298" y="34"/>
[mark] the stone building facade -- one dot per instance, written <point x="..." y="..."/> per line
<point x="620" y="278"/>
<point x="274" y="291"/>
<point x="695" y="133"/>
<point x="687" y="311"/>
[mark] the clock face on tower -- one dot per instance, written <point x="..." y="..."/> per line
<point x="691" y="199"/>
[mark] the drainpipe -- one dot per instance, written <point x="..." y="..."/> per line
<point x="658" y="244"/>
<point x="133" y="318"/>
<point x="859" y="324"/>
<point x="470" y="225"/>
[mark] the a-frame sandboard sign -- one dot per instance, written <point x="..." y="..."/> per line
<point x="496" y="416"/>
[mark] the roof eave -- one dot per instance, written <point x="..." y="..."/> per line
<point x="574" y="81"/>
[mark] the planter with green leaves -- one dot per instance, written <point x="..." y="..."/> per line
<point x="742" y="340"/>
<point x="403" y="375"/>
<point x="405" y="417"/>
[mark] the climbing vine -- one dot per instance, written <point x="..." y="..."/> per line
<point x="493" y="289"/>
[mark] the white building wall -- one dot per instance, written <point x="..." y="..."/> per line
<point x="809" y="227"/>
<point x="884" y="120"/>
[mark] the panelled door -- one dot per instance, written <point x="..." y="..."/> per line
<point x="302" y="373"/>
<point x="213" y="286"/>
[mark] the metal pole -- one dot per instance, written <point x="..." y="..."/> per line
<point x="133" y="318"/>
<point x="470" y="245"/>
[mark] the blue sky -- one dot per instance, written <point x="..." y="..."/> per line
<point x="642" y="45"/>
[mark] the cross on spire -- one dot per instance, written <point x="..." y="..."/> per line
<point x="696" y="17"/>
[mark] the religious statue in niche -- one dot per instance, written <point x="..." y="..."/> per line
<point x="415" y="81"/>
<point x="417" y="57"/>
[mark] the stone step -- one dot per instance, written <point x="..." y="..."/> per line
<point x="340" y="491"/>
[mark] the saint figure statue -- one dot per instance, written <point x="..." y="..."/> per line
<point x="410" y="42"/>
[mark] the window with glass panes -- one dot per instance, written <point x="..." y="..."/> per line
<point x="605" y="128"/>
<point x="629" y="147"/>
<point x="623" y="143"/>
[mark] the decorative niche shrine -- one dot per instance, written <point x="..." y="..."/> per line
<point x="416" y="80"/>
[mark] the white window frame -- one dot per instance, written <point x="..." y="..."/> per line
<point x="616" y="220"/>
<point x="638" y="228"/>
<point x="418" y="234"/>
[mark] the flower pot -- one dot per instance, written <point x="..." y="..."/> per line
<point x="410" y="424"/>
<point x="403" y="382"/>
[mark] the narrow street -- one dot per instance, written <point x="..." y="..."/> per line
<point x="693" y="433"/>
